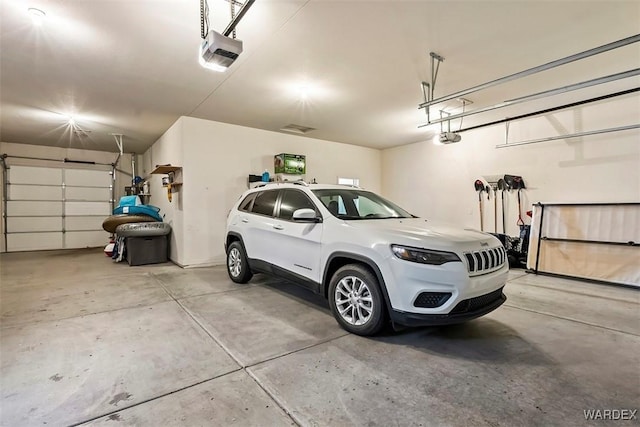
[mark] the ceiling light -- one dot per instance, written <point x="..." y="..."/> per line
<point x="210" y="65"/>
<point x="37" y="15"/>
<point x="304" y="91"/>
<point x="71" y="121"/>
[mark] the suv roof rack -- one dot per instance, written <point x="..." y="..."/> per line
<point x="264" y="184"/>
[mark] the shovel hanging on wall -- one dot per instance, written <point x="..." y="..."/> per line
<point x="502" y="186"/>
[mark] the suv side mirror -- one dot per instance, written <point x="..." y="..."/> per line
<point x="306" y="215"/>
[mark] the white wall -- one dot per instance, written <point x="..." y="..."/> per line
<point x="60" y="153"/>
<point x="436" y="181"/>
<point x="167" y="150"/>
<point x="217" y="159"/>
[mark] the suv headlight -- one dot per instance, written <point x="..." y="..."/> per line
<point x="424" y="256"/>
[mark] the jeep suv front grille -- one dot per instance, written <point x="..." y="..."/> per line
<point x="485" y="260"/>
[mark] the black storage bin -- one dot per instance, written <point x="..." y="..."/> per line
<point x="146" y="250"/>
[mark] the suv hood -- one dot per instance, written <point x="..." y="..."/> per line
<point x="422" y="233"/>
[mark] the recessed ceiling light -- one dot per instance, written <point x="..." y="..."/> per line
<point x="71" y="121"/>
<point x="305" y="90"/>
<point x="37" y="15"/>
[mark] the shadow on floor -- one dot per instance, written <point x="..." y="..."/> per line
<point x="481" y="339"/>
<point x="292" y="290"/>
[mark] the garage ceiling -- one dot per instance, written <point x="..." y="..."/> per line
<point x="131" y="67"/>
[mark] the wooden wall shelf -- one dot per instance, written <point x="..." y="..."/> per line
<point x="165" y="169"/>
<point x="170" y="171"/>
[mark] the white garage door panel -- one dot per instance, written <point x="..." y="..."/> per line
<point x="34" y="192"/>
<point x="22" y="224"/>
<point x="82" y="223"/>
<point x="37" y="212"/>
<point x="83" y="193"/>
<point x="33" y="241"/>
<point x="35" y="175"/>
<point x="87" y="208"/>
<point x="34" y="208"/>
<point x="86" y="239"/>
<point x="87" y="178"/>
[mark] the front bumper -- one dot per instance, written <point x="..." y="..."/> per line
<point x="405" y="281"/>
<point x="464" y="311"/>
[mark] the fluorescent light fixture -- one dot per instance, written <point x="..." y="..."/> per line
<point x="37" y="15"/>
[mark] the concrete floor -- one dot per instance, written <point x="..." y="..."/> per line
<point x="86" y="341"/>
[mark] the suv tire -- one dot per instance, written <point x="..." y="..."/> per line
<point x="356" y="300"/>
<point x="237" y="264"/>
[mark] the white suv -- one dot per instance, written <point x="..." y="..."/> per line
<point x="373" y="260"/>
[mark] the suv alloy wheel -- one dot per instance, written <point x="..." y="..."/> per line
<point x="237" y="265"/>
<point x="356" y="300"/>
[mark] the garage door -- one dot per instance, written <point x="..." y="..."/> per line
<point x="56" y="208"/>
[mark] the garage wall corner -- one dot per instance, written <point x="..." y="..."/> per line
<point x="168" y="149"/>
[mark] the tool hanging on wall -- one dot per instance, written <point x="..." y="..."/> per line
<point x="480" y="187"/>
<point x="517" y="183"/>
<point x="167" y="182"/>
<point x="495" y="208"/>
<point x="502" y="186"/>
<point x="493" y="184"/>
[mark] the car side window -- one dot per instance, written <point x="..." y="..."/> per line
<point x="264" y="202"/>
<point x="335" y="204"/>
<point x="245" y="205"/>
<point x="292" y="200"/>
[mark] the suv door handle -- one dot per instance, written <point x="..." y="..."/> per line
<point x="245" y="220"/>
<point x="278" y="227"/>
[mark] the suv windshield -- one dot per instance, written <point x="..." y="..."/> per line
<point x="358" y="204"/>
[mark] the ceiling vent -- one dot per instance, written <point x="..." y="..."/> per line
<point x="81" y="132"/>
<point x="300" y="130"/>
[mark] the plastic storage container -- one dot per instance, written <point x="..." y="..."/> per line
<point x="146" y="250"/>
